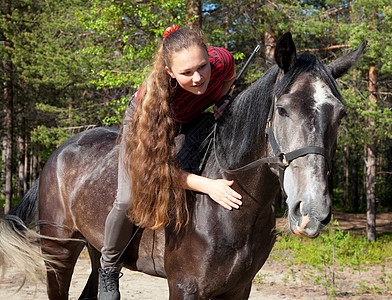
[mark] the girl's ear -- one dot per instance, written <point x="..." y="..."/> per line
<point x="169" y="72"/>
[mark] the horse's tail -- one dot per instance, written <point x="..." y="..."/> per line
<point x="27" y="209"/>
<point x="19" y="244"/>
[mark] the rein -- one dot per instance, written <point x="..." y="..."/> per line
<point x="281" y="158"/>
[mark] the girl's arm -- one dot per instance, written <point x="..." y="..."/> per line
<point x="218" y="111"/>
<point x="218" y="189"/>
<point x="227" y="84"/>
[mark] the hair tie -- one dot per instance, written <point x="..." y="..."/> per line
<point x="169" y="30"/>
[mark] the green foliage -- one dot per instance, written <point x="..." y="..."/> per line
<point x="14" y="201"/>
<point x="44" y="43"/>
<point x="119" y="108"/>
<point x="335" y="249"/>
<point x="333" y="246"/>
<point x="125" y="35"/>
<point x="49" y="139"/>
<point x="50" y="76"/>
<point x="372" y="21"/>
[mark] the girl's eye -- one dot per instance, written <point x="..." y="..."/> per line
<point x="282" y="112"/>
<point x="202" y="67"/>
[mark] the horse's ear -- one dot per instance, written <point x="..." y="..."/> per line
<point x="285" y="52"/>
<point x="340" y="66"/>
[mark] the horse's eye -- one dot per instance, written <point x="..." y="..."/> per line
<point x="282" y="112"/>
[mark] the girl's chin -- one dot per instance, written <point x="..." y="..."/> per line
<point x="199" y="90"/>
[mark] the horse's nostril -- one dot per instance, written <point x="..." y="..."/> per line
<point x="298" y="209"/>
<point x="327" y="219"/>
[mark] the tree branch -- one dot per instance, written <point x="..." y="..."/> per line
<point x="325" y="49"/>
<point x="81" y="127"/>
<point x="123" y="72"/>
<point x="384" y="172"/>
<point x="334" y="10"/>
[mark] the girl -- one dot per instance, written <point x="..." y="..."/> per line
<point x="187" y="77"/>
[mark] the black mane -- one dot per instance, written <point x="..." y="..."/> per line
<point x="243" y="124"/>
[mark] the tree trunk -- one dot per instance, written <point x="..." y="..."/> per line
<point x="194" y="16"/>
<point x="370" y="161"/>
<point x="2" y="194"/>
<point x="26" y="164"/>
<point x="21" y="166"/>
<point x="346" y="160"/>
<point x="227" y="28"/>
<point x="389" y="172"/>
<point x="354" y="185"/>
<point x="269" y="45"/>
<point x="8" y="125"/>
<point x="33" y="164"/>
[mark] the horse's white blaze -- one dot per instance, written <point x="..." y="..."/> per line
<point x="323" y="94"/>
<point x="293" y="187"/>
<point x="301" y="180"/>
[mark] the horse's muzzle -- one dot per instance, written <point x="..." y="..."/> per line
<point x="305" y="225"/>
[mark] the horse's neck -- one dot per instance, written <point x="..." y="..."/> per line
<point x="252" y="105"/>
<point x="241" y="139"/>
<point x="241" y="136"/>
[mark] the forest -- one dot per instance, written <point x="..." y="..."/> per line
<point x="71" y="65"/>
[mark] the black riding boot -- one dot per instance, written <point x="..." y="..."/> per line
<point x="108" y="285"/>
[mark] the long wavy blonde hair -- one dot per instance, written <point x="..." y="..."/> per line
<point x="150" y="159"/>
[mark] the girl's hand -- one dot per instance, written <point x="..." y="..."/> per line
<point x="218" y="111"/>
<point x="221" y="192"/>
<point x="218" y="189"/>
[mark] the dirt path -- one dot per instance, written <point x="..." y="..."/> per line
<point x="275" y="281"/>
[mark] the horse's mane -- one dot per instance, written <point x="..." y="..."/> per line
<point x="243" y="124"/>
<point x="244" y="120"/>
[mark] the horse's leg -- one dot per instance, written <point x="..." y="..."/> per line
<point x="59" y="276"/>
<point x="241" y="293"/>
<point x="179" y="291"/>
<point x="90" y="290"/>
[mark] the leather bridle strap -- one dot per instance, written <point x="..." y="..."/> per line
<point x="287" y="158"/>
<point x="252" y="165"/>
<point x="282" y="159"/>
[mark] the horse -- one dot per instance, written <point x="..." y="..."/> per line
<point x="279" y="132"/>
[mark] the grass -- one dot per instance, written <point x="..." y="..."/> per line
<point x="322" y="260"/>
<point x="334" y="245"/>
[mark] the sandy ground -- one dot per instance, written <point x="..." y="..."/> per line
<point x="275" y="280"/>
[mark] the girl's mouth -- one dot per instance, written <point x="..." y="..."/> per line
<point x="199" y="85"/>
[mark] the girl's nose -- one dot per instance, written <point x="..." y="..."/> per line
<point x="196" y="77"/>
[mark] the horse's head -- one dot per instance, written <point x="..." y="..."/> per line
<point x="304" y="121"/>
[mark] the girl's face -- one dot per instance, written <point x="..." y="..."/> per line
<point x="191" y="68"/>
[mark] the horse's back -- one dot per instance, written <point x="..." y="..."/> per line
<point x="78" y="184"/>
<point x="77" y="189"/>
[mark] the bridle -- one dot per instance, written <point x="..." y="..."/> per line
<point x="281" y="158"/>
